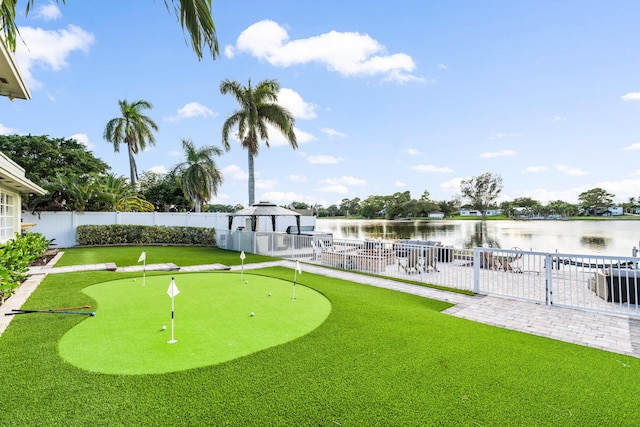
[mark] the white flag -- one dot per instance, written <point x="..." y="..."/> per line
<point x="298" y="269"/>
<point x="173" y="289"/>
<point x="242" y="256"/>
<point x="143" y="256"/>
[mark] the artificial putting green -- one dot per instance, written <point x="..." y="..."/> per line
<point x="213" y="322"/>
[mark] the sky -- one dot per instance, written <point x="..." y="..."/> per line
<point x="410" y="95"/>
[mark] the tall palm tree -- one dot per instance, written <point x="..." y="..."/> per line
<point x="198" y="175"/>
<point x="258" y="108"/>
<point x="133" y="129"/>
<point x="195" y="17"/>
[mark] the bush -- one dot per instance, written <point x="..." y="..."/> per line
<point x="118" y="234"/>
<point x="15" y="256"/>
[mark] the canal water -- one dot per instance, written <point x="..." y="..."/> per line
<point x="607" y="237"/>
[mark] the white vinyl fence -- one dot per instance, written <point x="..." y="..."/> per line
<point x="61" y="226"/>
<point x="600" y="283"/>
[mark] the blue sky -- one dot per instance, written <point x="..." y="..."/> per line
<point x="406" y="95"/>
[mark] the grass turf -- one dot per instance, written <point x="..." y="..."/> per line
<point x="380" y="358"/>
<point x="214" y="322"/>
<point x="179" y="255"/>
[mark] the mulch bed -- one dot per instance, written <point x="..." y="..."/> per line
<point x="44" y="259"/>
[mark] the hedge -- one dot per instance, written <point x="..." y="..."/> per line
<point x="119" y="234"/>
<point x="15" y="256"/>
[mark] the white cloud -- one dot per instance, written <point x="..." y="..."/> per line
<point x="297" y="178"/>
<point x="571" y="170"/>
<point x="334" y="188"/>
<point x="333" y="133"/>
<point x="235" y="173"/>
<point x="634" y="146"/>
<point x="4" y="130"/>
<point x="400" y="184"/>
<point x="48" y="12"/>
<point x="323" y="159"/>
<point x="536" y="169"/>
<point x="452" y="185"/>
<point x="443" y="66"/>
<point x="174" y="153"/>
<point x="631" y="96"/>
<point x="431" y="169"/>
<point x="280" y="197"/>
<point x="501" y="135"/>
<point x="190" y="110"/>
<point x="410" y="151"/>
<point x="49" y="48"/>
<point x="83" y="139"/>
<point x="277" y="139"/>
<point x="266" y="184"/>
<point x="503" y="153"/>
<point x="344" y="180"/>
<point x="220" y="199"/>
<point x="293" y="102"/>
<point x="159" y="169"/>
<point x="349" y="54"/>
<point x="558" y="119"/>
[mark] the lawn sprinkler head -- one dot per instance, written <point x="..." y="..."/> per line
<point x="93" y="313"/>
<point x="246" y="282"/>
<point x="252" y="314"/>
<point x="164" y="328"/>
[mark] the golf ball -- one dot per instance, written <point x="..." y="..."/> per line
<point x="164" y="327"/>
<point x="252" y="314"/>
<point x="269" y="293"/>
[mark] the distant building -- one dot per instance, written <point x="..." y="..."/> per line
<point x="475" y="212"/>
<point x="436" y="215"/>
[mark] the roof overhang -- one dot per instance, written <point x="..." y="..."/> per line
<point x="11" y="83"/>
<point x="12" y="176"/>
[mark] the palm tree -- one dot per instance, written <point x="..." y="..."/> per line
<point x="133" y="129"/>
<point x="195" y="17"/>
<point x="258" y="108"/>
<point x="198" y="175"/>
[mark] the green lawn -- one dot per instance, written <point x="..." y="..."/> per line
<point x="381" y="358"/>
<point x="179" y="255"/>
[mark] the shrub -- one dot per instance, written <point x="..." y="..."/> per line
<point x="119" y="234"/>
<point x="15" y="256"/>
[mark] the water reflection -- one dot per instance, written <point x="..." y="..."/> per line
<point x="579" y="237"/>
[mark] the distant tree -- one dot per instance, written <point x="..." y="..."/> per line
<point x="195" y="17"/>
<point x="350" y="207"/>
<point x="595" y="199"/>
<point x="559" y="207"/>
<point x="258" y="108"/>
<point x="198" y="175"/>
<point x="372" y="207"/>
<point x="164" y="191"/>
<point x="300" y="205"/>
<point x="397" y="204"/>
<point x="43" y="157"/>
<point x="482" y="191"/>
<point x="133" y="129"/>
<point x="332" y="210"/>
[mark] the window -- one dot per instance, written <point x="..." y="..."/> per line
<point x="7" y="229"/>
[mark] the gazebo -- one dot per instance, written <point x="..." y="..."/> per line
<point x="264" y="209"/>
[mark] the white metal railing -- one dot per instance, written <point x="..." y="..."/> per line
<point x="601" y="283"/>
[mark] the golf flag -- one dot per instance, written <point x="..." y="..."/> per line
<point x="295" y="277"/>
<point x="242" y="257"/>
<point x="173" y="289"/>
<point x="172" y="292"/>
<point x="143" y="256"/>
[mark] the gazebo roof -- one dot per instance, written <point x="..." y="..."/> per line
<point x="265" y="209"/>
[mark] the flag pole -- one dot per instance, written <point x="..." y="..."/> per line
<point x="242" y="257"/>
<point x="295" y="277"/>
<point x="172" y="291"/>
<point x="143" y="258"/>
